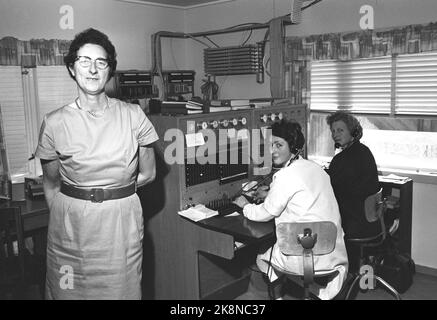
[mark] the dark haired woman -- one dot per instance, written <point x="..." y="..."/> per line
<point x="354" y="177"/>
<point x="94" y="153"/>
<point x="300" y="192"/>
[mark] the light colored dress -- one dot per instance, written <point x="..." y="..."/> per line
<point x="302" y="192"/>
<point x="94" y="250"/>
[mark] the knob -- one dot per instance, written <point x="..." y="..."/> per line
<point x="234" y="121"/>
<point x="264" y="118"/>
<point x="243" y="121"/>
<point x="224" y="123"/>
<point x="204" y="125"/>
<point x="273" y="117"/>
<point x="214" y="124"/>
<point x="280" y="116"/>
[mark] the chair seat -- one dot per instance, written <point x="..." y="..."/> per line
<point x="368" y="240"/>
<point x="317" y="274"/>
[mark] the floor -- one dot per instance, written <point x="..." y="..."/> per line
<point x="424" y="287"/>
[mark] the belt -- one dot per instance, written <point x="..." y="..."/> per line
<point x="98" y="194"/>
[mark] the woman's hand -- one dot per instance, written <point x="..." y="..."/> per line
<point x="261" y="193"/>
<point x="241" y="201"/>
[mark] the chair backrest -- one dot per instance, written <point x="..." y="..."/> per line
<point x="11" y="230"/>
<point x="289" y="235"/>
<point x="374" y="206"/>
<point x="306" y="239"/>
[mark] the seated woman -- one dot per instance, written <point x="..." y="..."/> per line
<point x="354" y="177"/>
<point x="300" y="192"/>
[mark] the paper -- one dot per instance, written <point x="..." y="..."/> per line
<point x="234" y="214"/>
<point x="231" y="133"/>
<point x="243" y="134"/>
<point x="393" y="178"/>
<point x="198" y="212"/>
<point x="194" y="139"/>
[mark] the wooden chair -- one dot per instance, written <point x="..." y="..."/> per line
<point x="17" y="271"/>
<point x="374" y="207"/>
<point x="306" y="239"/>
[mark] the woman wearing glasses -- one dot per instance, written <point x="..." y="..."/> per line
<point x="94" y="153"/>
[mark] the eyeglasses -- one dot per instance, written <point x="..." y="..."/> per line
<point x="85" y="62"/>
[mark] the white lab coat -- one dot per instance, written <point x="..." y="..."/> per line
<point x="302" y="192"/>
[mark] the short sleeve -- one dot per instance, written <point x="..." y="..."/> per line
<point x="146" y="131"/>
<point x="46" y="146"/>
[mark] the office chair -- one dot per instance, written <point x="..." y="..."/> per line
<point x="17" y="271"/>
<point x="374" y="207"/>
<point x="306" y="239"/>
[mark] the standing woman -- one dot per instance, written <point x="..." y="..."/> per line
<point x="354" y="177"/>
<point x="94" y="153"/>
<point x="300" y="192"/>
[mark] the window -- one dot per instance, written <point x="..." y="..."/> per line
<point x="396" y="103"/>
<point x="26" y="95"/>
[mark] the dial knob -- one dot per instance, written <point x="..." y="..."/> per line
<point x="243" y="121"/>
<point x="204" y="125"/>
<point x="273" y="117"/>
<point x="224" y="123"/>
<point x="234" y="121"/>
<point x="264" y="118"/>
<point x="214" y="124"/>
<point x="280" y="116"/>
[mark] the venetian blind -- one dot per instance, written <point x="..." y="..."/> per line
<point x="12" y="107"/>
<point x="359" y="85"/>
<point x="55" y="89"/>
<point x="416" y="84"/>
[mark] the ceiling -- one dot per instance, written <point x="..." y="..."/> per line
<point x="177" y="3"/>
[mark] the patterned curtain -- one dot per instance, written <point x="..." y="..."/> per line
<point x="14" y="52"/>
<point x="350" y="46"/>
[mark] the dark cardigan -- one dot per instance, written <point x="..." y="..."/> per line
<point x="354" y="177"/>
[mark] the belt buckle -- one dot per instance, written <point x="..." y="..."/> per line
<point x="97" y="195"/>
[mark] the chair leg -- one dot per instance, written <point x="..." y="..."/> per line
<point x="357" y="278"/>
<point x="388" y="287"/>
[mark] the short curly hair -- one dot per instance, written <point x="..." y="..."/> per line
<point x="92" y="36"/>
<point x="291" y="132"/>
<point x="351" y="122"/>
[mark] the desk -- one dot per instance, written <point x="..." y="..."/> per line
<point x="404" y="191"/>
<point x="35" y="213"/>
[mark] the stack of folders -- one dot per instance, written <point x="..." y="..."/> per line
<point x="238" y="104"/>
<point x="261" y="102"/>
<point x="218" y="106"/>
<point x="229" y="104"/>
<point x="181" y="107"/>
<point x="198" y="212"/>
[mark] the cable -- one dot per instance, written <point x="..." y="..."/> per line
<point x="206" y="37"/>
<point x="248" y="37"/>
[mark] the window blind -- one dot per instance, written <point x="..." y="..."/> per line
<point x="55" y="89"/>
<point x="416" y="84"/>
<point x="12" y="107"/>
<point x="361" y="85"/>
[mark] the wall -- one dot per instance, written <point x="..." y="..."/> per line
<point x="128" y="25"/>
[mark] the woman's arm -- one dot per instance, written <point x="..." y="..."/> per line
<point x="147" y="166"/>
<point x="51" y="179"/>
